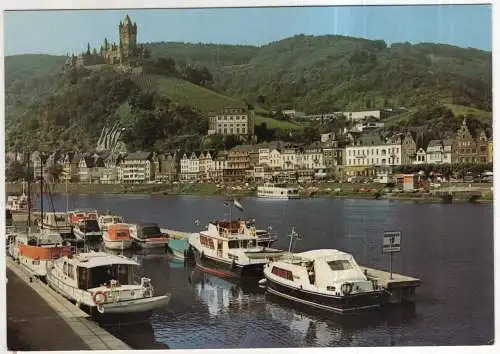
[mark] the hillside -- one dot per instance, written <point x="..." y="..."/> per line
<point x="307" y="73"/>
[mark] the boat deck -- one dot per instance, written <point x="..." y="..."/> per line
<point x="401" y="287"/>
<point x="40" y="319"/>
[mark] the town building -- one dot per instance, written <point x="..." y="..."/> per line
<point x="233" y="121"/>
<point x="138" y="167"/>
<point x="408" y="149"/>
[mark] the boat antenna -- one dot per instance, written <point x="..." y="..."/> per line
<point x="293" y="235"/>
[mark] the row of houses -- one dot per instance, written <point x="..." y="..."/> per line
<point x="362" y="155"/>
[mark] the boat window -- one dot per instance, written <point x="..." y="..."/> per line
<point x="65" y="268"/>
<point x="122" y="269"/>
<point x="244" y="243"/>
<point x="232" y="244"/>
<point x="207" y="242"/>
<point x="340" y="265"/>
<point x="70" y="271"/>
<point x="283" y="273"/>
<point x="60" y="218"/>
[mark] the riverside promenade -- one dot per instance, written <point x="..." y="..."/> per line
<point x="40" y="319"/>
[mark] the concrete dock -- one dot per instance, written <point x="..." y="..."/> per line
<point x="40" y="319"/>
<point x="401" y="287"/>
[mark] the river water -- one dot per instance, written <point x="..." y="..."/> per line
<point x="448" y="246"/>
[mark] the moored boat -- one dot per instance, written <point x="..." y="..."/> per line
<point x="37" y="249"/>
<point x="88" y="231"/>
<point x="277" y="191"/>
<point x="104" y="282"/>
<point x="117" y="237"/>
<point x="148" y="235"/>
<point x="105" y="220"/>
<point x="56" y="222"/>
<point x="326" y="279"/>
<point x="78" y="215"/>
<point x="228" y="249"/>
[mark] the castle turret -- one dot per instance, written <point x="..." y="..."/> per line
<point x="128" y="37"/>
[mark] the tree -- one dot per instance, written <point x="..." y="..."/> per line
<point x="55" y="171"/>
<point x="15" y="171"/>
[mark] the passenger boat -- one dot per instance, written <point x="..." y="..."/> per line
<point x="277" y="191"/>
<point x="56" y="222"/>
<point x="35" y="250"/>
<point x="105" y="220"/>
<point x="117" y="237"/>
<point x="327" y="279"/>
<point x="104" y="282"/>
<point x="88" y="230"/>
<point x="148" y="235"/>
<point x="228" y="249"/>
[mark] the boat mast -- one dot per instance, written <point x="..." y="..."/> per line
<point x="41" y="194"/>
<point x="29" y="195"/>
<point x="292" y="235"/>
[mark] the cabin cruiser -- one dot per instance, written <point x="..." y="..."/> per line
<point x="228" y="249"/>
<point x="148" y="235"/>
<point x="105" y="220"/>
<point x="88" y="230"/>
<point x="75" y="216"/>
<point x="104" y="282"/>
<point x="327" y="279"/>
<point x="35" y="250"/>
<point x="117" y="237"/>
<point x="56" y="222"/>
<point x="277" y="191"/>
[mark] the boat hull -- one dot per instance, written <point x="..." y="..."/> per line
<point x="277" y="197"/>
<point x="135" y="306"/>
<point x="117" y="245"/>
<point x="227" y="269"/>
<point x="335" y="304"/>
<point x="151" y="244"/>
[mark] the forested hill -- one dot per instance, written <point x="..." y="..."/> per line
<point x="308" y="73"/>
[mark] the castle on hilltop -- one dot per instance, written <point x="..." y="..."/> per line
<point x="127" y="55"/>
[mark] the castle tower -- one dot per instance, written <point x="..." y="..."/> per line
<point x="128" y="38"/>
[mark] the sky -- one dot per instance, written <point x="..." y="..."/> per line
<point x="61" y="32"/>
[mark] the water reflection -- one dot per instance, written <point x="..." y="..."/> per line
<point x="315" y="327"/>
<point x="137" y="334"/>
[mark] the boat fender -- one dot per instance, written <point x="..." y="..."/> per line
<point x="99" y="298"/>
<point x="346" y="288"/>
<point x="100" y="308"/>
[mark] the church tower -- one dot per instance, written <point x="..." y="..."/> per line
<point x="128" y="38"/>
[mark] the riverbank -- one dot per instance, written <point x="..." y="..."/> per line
<point x="337" y="190"/>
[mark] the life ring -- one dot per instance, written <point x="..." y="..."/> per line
<point x="96" y="299"/>
<point x="346" y="288"/>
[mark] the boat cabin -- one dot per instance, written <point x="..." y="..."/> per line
<point x="88" y="225"/>
<point x="148" y="231"/>
<point x="92" y="270"/>
<point x="55" y="220"/>
<point x="110" y="219"/>
<point x="76" y="216"/>
<point x="119" y="232"/>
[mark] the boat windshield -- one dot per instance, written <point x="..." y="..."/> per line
<point x="149" y="232"/>
<point x="340" y="265"/>
<point x="90" y="226"/>
<point x="60" y="218"/>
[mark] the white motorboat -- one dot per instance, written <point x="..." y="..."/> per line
<point x="230" y="249"/>
<point x="277" y="191"/>
<point x="117" y="237"/>
<point x="104" y="282"/>
<point x="327" y="279"/>
<point x="105" y="220"/>
<point x="148" y="235"/>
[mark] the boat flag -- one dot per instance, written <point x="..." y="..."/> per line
<point x="237" y="205"/>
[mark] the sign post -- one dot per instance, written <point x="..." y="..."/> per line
<point x="391" y="244"/>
